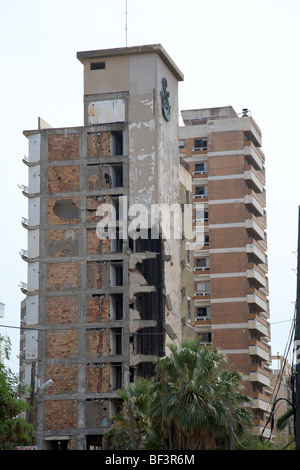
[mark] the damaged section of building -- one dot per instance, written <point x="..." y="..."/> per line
<point x="104" y="308"/>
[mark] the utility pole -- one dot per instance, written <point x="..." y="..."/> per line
<point x="126" y="13"/>
<point x="31" y="399"/>
<point x="297" y="347"/>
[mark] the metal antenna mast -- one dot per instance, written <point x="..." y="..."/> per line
<point x="297" y="341"/>
<point x="126" y="21"/>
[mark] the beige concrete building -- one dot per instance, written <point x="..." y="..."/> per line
<point x="99" y="311"/>
<point x="224" y="153"/>
<point x="281" y="381"/>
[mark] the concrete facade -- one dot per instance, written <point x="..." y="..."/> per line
<point x="101" y="310"/>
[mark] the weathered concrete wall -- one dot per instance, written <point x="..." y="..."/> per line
<point x="97" y="300"/>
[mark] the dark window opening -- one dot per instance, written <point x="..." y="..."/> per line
<point x="57" y="444"/>
<point x="201" y="311"/>
<point x="116" y="309"/>
<point x="116" y="376"/>
<point x="116" y="274"/>
<point x="200" y="190"/>
<point x="205" y="337"/>
<point x="116" y="143"/>
<point x="97" y="65"/>
<point x="116" y="244"/>
<point x="200" y="144"/>
<point x="200" y="262"/>
<point x="116" y="341"/>
<point x="93" y="442"/>
<point x="117" y="175"/>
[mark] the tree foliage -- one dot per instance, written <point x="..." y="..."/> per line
<point x="14" y="430"/>
<point x="186" y="407"/>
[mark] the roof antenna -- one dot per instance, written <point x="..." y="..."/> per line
<point x="126" y="21"/>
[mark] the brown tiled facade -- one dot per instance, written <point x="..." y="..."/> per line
<point x="231" y="312"/>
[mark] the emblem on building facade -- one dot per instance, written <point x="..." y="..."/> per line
<point x="165" y="105"/>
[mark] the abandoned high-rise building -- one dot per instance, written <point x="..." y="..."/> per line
<point x="102" y="309"/>
<point x="108" y="288"/>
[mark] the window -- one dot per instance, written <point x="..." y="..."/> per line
<point x="201" y="191"/>
<point x="202" y="311"/>
<point x="205" y="337"/>
<point x="200" y="144"/>
<point x="202" y="288"/>
<point x="181" y="144"/>
<point x="202" y="262"/>
<point x="201" y="167"/>
<point x="97" y="65"/>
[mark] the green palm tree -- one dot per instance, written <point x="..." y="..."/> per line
<point x="132" y="428"/>
<point x="189" y="406"/>
<point x="285" y="419"/>
<point x="194" y="401"/>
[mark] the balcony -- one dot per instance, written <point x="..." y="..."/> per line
<point x="255" y="226"/>
<point x="260" y="401"/>
<point x="257" y="348"/>
<point x="256" y="250"/>
<point x="255" y="298"/>
<point x="257" y="374"/>
<point x="251" y="130"/>
<point x="256" y="275"/>
<point x="254" y="155"/>
<point x="257" y="323"/>
<point x="254" y="179"/>
<point x="255" y="203"/>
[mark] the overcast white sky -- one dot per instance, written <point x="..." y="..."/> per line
<point x="243" y="53"/>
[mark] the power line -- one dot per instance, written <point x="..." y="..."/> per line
<point x="66" y="326"/>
